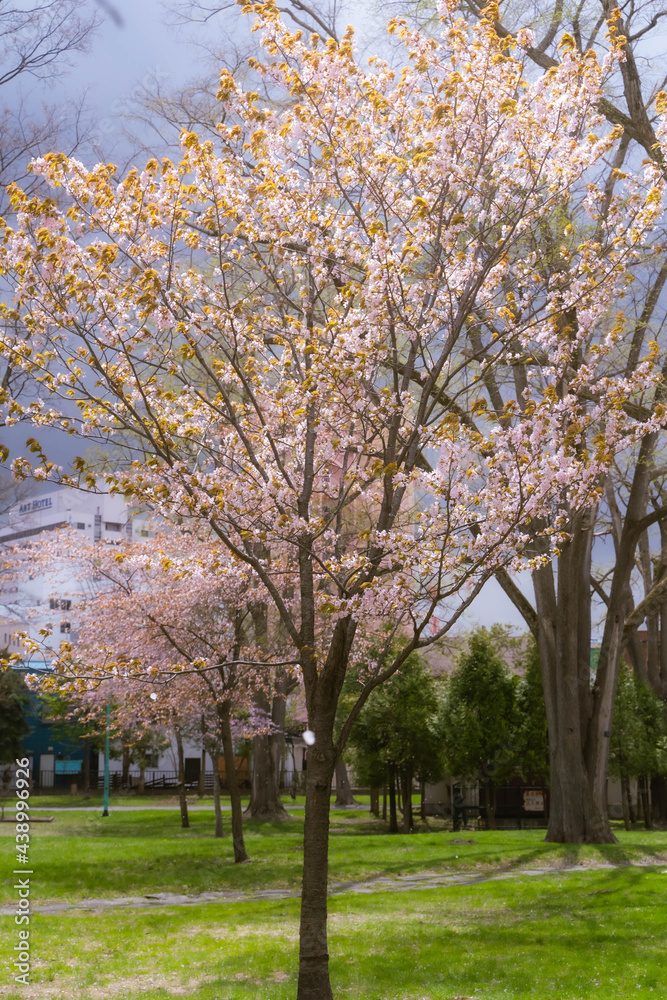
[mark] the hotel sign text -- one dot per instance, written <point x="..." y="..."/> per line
<point x="43" y="504"/>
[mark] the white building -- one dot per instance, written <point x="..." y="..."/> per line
<point x="99" y="517"/>
<point x="35" y="597"/>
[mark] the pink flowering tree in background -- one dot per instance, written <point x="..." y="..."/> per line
<point x="165" y="631"/>
<point x="284" y="331"/>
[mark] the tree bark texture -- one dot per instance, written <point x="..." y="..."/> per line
<point x="393" y="821"/>
<point x="183" y="802"/>
<point x="578" y="811"/>
<point x="645" y="799"/>
<point x="659" y="799"/>
<point x="265" y="800"/>
<point x="219" y="832"/>
<point x="232" y="783"/>
<point x="579" y="716"/>
<point x="313" y="950"/>
<point x="490" y="802"/>
<point x="406" y="777"/>
<point x="375" y="802"/>
<point x="626" y="804"/>
<point x="344" y="796"/>
<point x="201" y="787"/>
<point x="323" y="686"/>
<point x="631" y="805"/>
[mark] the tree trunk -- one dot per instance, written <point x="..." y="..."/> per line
<point x="646" y="801"/>
<point x="125" y="775"/>
<point x="406" y="777"/>
<point x="313" y="951"/>
<point x="659" y="799"/>
<point x="183" y="802"/>
<point x="142" y="775"/>
<point x="393" y="821"/>
<point x="490" y="799"/>
<point x="375" y="802"/>
<point x="201" y="787"/>
<point x="265" y="800"/>
<point x="626" y="804"/>
<point x="579" y="715"/>
<point x="85" y="769"/>
<point x="232" y="784"/>
<point x="344" y="796"/>
<point x="384" y="801"/>
<point x="323" y="684"/>
<point x="215" y="753"/>
<point x="631" y="805"/>
<point x="422" y="800"/>
<point x="576" y="733"/>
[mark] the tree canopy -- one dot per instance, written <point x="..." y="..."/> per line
<point x="14" y="701"/>
<point x="290" y="329"/>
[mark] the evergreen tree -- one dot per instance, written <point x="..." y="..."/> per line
<point x="397" y="736"/>
<point x="479" y="717"/>
<point x="14" y="701"/>
<point x="638" y="745"/>
<point x="530" y="740"/>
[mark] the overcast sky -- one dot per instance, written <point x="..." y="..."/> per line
<point x="136" y="54"/>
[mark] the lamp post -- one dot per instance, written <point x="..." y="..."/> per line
<point x="105" y="811"/>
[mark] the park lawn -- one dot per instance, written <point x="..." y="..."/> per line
<point x="590" y="935"/>
<point x="43" y="801"/>
<point x="81" y="855"/>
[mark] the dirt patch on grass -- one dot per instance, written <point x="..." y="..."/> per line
<point x="122" y="987"/>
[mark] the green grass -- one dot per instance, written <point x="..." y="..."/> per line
<point x="584" y="936"/>
<point x="51" y="800"/>
<point x="82" y="854"/>
<point x="561" y="936"/>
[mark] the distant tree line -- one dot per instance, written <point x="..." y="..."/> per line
<point x="487" y="723"/>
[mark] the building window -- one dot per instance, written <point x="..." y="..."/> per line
<point x="65" y="628"/>
<point x="113" y="526"/>
<point x="62" y="603"/>
<point x="80" y="526"/>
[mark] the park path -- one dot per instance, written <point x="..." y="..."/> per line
<point x="380" y="883"/>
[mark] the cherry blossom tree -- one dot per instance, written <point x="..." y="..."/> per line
<point x="164" y="632"/>
<point x="285" y="328"/>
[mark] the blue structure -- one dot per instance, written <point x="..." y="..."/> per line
<point x="57" y="759"/>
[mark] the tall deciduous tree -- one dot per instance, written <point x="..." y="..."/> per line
<point x="288" y="329"/>
<point x="560" y="617"/>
